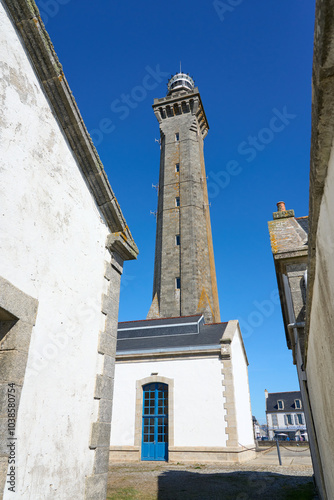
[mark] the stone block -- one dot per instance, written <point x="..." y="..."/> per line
<point x="3" y="471"/>
<point x="17" y="303"/>
<point x="105" y="410"/>
<point x="100" y="434"/>
<point x="101" y="461"/>
<point x="4" y="398"/>
<point x="109" y="364"/>
<point x="103" y="387"/>
<point x="12" y="366"/>
<point x="4" y="436"/>
<point x="108" y="271"/>
<point x="18" y="337"/>
<point x="96" y="487"/>
<point x="111" y="324"/>
<point x="107" y="344"/>
<point x="109" y="304"/>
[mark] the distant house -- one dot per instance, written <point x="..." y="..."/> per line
<point x="285" y="416"/>
<point x="260" y="431"/>
<point x="256" y="428"/>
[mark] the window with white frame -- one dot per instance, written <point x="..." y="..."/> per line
<point x="298" y="404"/>
<point x="288" y="419"/>
<point x="280" y="404"/>
<point x="300" y="419"/>
<point x="274" y="420"/>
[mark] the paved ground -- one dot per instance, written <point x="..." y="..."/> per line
<point x="261" y="478"/>
<point x="289" y="456"/>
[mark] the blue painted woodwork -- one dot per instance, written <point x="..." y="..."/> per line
<point x="155" y="422"/>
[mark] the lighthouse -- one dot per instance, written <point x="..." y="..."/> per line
<point x="184" y="270"/>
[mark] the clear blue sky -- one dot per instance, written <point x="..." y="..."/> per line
<point x="252" y="62"/>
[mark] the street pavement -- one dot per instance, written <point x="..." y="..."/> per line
<point x="291" y="456"/>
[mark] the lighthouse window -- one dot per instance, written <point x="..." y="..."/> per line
<point x="178" y="283"/>
<point x="177" y="167"/>
<point x="177" y="240"/>
<point x="177" y="201"/>
<point x="177" y="137"/>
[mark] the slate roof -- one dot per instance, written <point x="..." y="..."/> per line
<point x="288" y="234"/>
<point x="288" y="399"/>
<point x="168" y="333"/>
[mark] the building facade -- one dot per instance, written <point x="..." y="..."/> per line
<point x="285" y="416"/>
<point x="63" y="243"/>
<point x="203" y="369"/>
<point x="307" y="305"/>
<point x="181" y="379"/>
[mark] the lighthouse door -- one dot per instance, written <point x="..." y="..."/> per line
<point x="155" y="422"/>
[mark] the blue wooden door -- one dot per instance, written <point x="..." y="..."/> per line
<point x="155" y="422"/>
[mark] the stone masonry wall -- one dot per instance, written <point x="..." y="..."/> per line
<point x="192" y="260"/>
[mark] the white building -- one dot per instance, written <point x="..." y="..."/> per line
<point x="63" y="243"/>
<point x="285" y="416"/>
<point x="181" y="392"/>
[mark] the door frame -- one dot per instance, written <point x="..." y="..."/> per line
<point x="155" y="451"/>
<point x="139" y="408"/>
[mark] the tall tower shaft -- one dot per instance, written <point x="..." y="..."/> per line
<point x="184" y="271"/>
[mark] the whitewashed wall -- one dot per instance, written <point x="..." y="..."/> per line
<point x="241" y="392"/>
<point x="52" y="247"/>
<point x="198" y="401"/>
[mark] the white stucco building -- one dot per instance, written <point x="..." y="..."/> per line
<point x="181" y="392"/>
<point x="63" y="243"/>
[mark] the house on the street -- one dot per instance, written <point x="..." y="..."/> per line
<point x="285" y="416"/>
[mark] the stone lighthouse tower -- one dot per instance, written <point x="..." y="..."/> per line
<point x="184" y="270"/>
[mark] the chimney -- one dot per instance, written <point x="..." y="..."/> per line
<point x="282" y="212"/>
<point x="266" y="393"/>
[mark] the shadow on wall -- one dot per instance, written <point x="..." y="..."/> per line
<point x="240" y="485"/>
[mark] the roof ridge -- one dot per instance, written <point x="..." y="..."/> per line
<point x="282" y="392"/>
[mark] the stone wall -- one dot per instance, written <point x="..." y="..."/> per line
<point x="183" y="181"/>
<point x="320" y="292"/>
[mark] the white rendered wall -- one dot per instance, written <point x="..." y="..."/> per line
<point x="241" y="392"/>
<point x="52" y="248"/>
<point x="320" y="352"/>
<point x="198" y="401"/>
